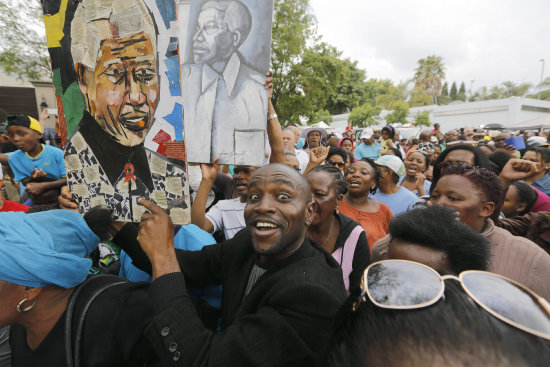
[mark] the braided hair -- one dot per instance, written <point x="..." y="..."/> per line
<point x="526" y="194"/>
<point x="376" y="174"/>
<point x="338" y="180"/>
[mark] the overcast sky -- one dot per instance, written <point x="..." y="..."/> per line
<point x="486" y="41"/>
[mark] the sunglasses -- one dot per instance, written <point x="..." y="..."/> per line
<point x="334" y="164"/>
<point x="407" y="285"/>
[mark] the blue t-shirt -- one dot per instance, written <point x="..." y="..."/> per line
<point x="400" y="202"/>
<point x="367" y="151"/>
<point x="50" y="161"/>
<point x="427" y="184"/>
<point x="190" y="238"/>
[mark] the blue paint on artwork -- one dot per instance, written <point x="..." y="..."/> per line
<point x="172" y="47"/>
<point x="173" y="75"/>
<point x="167" y="9"/>
<point x="176" y="119"/>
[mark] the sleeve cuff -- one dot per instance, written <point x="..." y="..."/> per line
<point x="166" y="289"/>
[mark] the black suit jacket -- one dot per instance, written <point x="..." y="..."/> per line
<point x="285" y="320"/>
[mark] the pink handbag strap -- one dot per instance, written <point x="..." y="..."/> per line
<point x="346" y="259"/>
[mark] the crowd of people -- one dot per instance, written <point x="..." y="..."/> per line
<point x="364" y="249"/>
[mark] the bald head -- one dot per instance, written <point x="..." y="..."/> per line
<point x="278" y="171"/>
<point x="425" y="136"/>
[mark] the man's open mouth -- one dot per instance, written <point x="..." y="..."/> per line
<point x="135" y="121"/>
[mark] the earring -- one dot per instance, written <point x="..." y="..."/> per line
<point x="20" y="305"/>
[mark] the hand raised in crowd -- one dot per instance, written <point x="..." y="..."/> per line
<point x="318" y="155"/>
<point x="156" y="237"/>
<point x="66" y="200"/>
<point x="518" y="169"/>
<point x="268" y="84"/>
<point x="420" y="179"/>
<point x="210" y="171"/>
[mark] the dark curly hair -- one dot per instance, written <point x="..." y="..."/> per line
<point x="436" y="227"/>
<point x="390" y="130"/>
<point x="480" y="160"/>
<point x="483" y="179"/>
<point x="338" y="180"/>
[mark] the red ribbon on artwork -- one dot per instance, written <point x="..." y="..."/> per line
<point x="129" y="169"/>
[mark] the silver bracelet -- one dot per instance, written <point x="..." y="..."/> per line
<point x="273" y="116"/>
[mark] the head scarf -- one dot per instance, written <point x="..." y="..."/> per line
<point x="342" y="140"/>
<point x="45" y="248"/>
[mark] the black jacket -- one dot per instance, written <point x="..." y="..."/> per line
<point x="285" y="320"/>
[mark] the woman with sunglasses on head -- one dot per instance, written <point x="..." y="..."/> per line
<point x="344" y="238"/>
<point x="423" y="319"/>
<point x="414" y="179"/>
<point x="373" y="216"/>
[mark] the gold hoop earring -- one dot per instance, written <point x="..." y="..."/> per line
<point x="20" y="305"/>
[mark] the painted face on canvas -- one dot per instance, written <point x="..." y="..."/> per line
<point x="123" y="90"/>
<point x="212" y="40"/>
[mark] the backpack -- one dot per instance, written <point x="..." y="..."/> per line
<point x="77" y="308"/>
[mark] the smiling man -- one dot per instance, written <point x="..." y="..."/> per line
<point x="116" y="64"/>
<point x="280" y="291"/>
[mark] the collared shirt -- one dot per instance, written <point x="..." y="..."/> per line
<point x="543" y="184"/>
<point x="91" y="186"/>
<point x="231" y="107"/>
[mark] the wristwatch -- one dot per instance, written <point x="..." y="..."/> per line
<point x="273" y="116"/>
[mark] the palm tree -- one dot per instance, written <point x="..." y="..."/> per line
<point x="428" y="75"/>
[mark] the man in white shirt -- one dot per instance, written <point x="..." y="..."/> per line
<point x="289" y="140"/>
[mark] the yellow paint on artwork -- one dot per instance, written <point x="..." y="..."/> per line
<point x="54" y="25"/>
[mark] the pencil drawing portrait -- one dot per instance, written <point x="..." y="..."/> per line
<point x="225" y="103"/>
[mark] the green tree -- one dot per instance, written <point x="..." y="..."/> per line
<point x="323" y="115"/>
<point x="419" y="98"/>
<point x="453" y="92"/>
<point x="23" y="52"/>
<point x="394" y="94"/>
<point x="312" y="82"/>
<point x="349" y="90"/>
<point x="293" y="26"/>
<point x="462" y="88"/>
<point x="373" y="88"/>
<point x="516" y="90"/>
<point x="428" y="75"/>
<point x="445" y="89"/>
<point x="399" y="113"/>
<point x="423" y="119"/>
<point x="365" y="115"/>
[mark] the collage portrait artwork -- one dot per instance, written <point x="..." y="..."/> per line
<point x="227" y="55"/>
<point x="116" y="76"/>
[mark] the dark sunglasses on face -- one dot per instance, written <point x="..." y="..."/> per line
<point x="334" y="164"/>
<point x="406" y="285"/>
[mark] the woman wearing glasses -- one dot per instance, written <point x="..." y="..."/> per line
<point x="337" y="157"/>
<point x="344" y="238"/>
<point x="373" y="216"/>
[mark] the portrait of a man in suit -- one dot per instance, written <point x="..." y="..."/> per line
<point x="225" y="103"/>
<point x="115" y="59"/>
